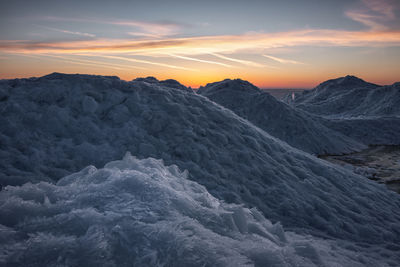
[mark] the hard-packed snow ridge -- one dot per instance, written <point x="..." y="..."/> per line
<point x="140" y="212"/>
<point x="54" y="126"/>
<point x="297" y="128"/>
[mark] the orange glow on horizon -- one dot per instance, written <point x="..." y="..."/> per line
<point x="197" y="61"/>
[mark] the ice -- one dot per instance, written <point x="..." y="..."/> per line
<point x="56" y="125"/>
<point x="365" y="112"/>
<point x="297" y="128"/>
<point x="350" y="97"/>
<point x="138" y="212"/>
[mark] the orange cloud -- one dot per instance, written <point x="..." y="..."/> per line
<point x="145" y="62"/>
<point x="241" y="61"/>
<point x="254" y="42"/>
<point x="200" y="60"/>
<point x="282" y="60"/>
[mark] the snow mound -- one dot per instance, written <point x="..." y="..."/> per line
<point x="236" y="85"/>
<point x="368" y="130"/>
<point x="141" y="213"/>
<point x="350" y="97"/>
<point x="168" y="83"/>
<point x="56" y="125"/>
<point x="293" y="126"/>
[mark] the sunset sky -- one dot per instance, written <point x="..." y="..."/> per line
<point x="273" y="44"/>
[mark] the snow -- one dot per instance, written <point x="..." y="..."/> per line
<point x="291" y="125"/>
<point x="362" y="111"/>
<point x="350" y="97"/>
<point x="138" y="210"/>
<point x="142" y="213"/>
<point x="368" y="130"/>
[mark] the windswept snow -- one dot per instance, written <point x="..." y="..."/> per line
<point x="365" y="112"/>
<point x="140" y="213"/>
<point x="350" y="97"/>
<point x="368" y="130"/>
<point x="293" y="126"/>
<point x="58" y="124"/>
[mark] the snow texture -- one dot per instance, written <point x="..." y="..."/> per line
<point x="291" y="125"/>
<point x="141" y="213"/>
<point x="368" y="130"/>
<point x="57" y="124"/>
<point x="350" y="97"/>
<point x="365" y="112"/>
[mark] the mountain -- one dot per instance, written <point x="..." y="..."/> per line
<point x="297" y="128"/>
<point x="350" y="97"/>
<point x="240" y="183"/>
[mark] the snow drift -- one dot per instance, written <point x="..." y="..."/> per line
<point x="350" y="97"/>
<point x="368" y="130"/>
<point x="293" y="126"/>
<point x="141" y="213"/>
<point x="57" y="124"/>
<point x="363" y="111"/>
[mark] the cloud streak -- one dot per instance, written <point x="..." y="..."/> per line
<point x="145" y="62"/>
<point x="375" y="14"/>
<point x="281" y="60"/>
<point x="135" y="27"/>
<point x="241" y="61"/>
<point x="200" y="60"/>
<point x="85" y="62"/>
<point x="211" y="44"/>
<point x="69" y="32"/>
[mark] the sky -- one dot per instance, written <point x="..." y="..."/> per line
<point x="273" y="44"/>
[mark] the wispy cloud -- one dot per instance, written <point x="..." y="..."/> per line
<point x="383" y="7"/>
<point x="134" y="27"/>
<point x="69" y="32"/>
<point x="144" y="62"/>
<point x="282" y="60"/>
<point x="241" y="61"/>
<point x="150" y="29"/>
<point x="86" y="62"/>
<point x="226" y="44"/>
<point x="375" y="14"/>
<point x="199" y="60"/>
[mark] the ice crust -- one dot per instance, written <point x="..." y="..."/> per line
<point x="291" y="125"/>
<point x="350" y="97"/>
<point x="58" y="124"/>
<point x="141" y="213"/>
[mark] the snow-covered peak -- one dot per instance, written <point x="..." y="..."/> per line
<point x="149" y="79"/>
<point x="170" y="83"/>
<point x="298" y="129"/>
<point x="396" y="84"/>
<point x="236" y="85"/>
<point x="347" y="82"/>
<point x="351" y="97"/>
<point x="175" y="84"/>
<point x="60" y="76"/>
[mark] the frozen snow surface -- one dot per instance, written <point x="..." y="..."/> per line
<point x="141" y="213"/>
<point x="365" y="112"/>
<point x="291" y="125"/>
<point x="241" y="184"/>
<point x="350" y="96"/>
